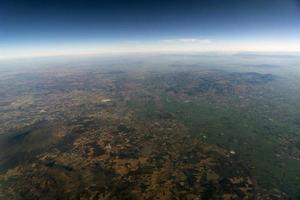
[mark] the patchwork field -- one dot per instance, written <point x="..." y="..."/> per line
<point x="144" y="129"/>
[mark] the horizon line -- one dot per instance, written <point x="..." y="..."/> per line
<point x="109" y="53"/>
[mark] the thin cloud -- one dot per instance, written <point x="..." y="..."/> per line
<point x="188" y="40"/>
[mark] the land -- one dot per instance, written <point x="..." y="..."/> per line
<point x="148" y="133"/>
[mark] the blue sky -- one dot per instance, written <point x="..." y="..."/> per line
<point x="69" y="27"/>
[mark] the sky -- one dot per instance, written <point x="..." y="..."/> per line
<point x="62" y="27"/>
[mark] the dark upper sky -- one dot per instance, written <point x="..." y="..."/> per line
<point x="30" y="22"/>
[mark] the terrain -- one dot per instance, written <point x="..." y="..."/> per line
<point x="161" y="127"/>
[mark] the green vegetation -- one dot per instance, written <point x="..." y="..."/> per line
<point x="250" y="134"/>
<point x="260" y="128"/>
<point x="298" y="144"/>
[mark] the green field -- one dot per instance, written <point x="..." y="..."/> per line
<point x="256" y="132"/>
